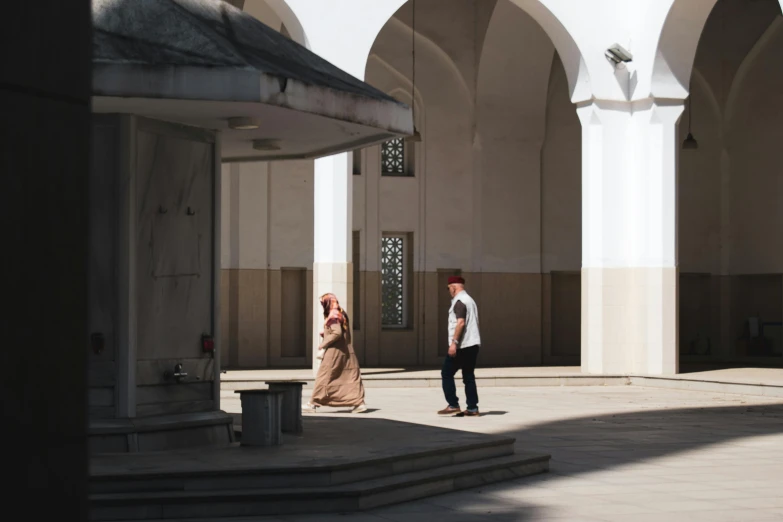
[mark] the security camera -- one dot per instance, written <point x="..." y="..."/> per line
<point x="617" y="54"/>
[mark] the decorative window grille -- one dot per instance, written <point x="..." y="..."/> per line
<point x="393" y="281"/>
<point x="393" y="158"/>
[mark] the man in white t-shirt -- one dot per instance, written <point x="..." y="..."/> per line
<point x="464" y="344"/>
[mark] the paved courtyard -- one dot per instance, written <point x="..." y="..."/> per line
<point x="618" y="453"/>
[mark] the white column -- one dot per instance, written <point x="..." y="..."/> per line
<point x="629" y="237"/>
<point x="342" y="32"/>
<point x="332" y="231"/>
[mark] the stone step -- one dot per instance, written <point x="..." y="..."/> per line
<point x="306" y="474"/>
<point x="357" y="496"/>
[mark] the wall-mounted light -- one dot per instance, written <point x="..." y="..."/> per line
<point x="243" y="123"/>
<point x="267" y="144"/>
<point x="618" y="54"/>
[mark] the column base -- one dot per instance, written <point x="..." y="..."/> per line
<point x="630" y="321"/>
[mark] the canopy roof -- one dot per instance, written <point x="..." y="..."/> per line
<point x="201" y="62"/>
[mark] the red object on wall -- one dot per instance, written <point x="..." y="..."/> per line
<point x="207" y="343"/>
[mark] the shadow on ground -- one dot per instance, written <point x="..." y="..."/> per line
<point x="594" y="443"/>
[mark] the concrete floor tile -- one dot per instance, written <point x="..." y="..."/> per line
<point x="604" y="489"/>
<point x="673" y="486"/>
<point x="728" y="515"/>
<point x="680" y="506"/>
<point x="757" y="502"/>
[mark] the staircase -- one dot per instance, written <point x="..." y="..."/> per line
<point x="311" y="485"/>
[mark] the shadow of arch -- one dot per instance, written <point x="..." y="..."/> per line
<point x="642" y="435"/>
<point x="590" y="444"/>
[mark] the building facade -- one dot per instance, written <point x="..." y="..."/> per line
<point x="552" y="174"/>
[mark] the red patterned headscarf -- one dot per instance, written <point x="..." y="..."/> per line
<point x="333" y="312"/>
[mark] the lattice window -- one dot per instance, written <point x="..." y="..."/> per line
<point x="393" y="281"/>
<point x="393" y="158"/>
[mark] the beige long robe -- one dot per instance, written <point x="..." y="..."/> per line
<point x="339" y="379"/>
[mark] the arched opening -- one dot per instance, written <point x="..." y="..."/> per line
<point x="731" y="192"/>
<point x="495" y="193"/>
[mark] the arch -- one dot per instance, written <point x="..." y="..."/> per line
<point x="402" y="32"/>
<point x="683" y="23"/>
<point x="675" y="48"/>
<point x="569" y="51"/>
<point x="400" y="92"/>
<point x="747" y="64"/>
<point x="563" y="41"/>
<point x="343" y="31"/>
<point x="501" y="73"/>
<point x="288" y="17"/>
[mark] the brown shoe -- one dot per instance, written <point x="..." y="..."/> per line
<point x="448" y="410"/>
<point x="468" y="413"/>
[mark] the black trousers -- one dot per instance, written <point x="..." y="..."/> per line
<point x="465" y="360"/>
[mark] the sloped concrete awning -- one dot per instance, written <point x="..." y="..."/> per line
<point x="201" y="62"/>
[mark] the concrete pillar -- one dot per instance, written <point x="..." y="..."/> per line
<point x="332" y="234"/>
<point x="44" y="204"/>
<point x="629" y="237"/>
<point x="341" y="31"/>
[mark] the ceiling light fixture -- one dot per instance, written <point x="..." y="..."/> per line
<point x="243" y="123"/>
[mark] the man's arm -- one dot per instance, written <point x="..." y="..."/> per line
<point x="461" y="311"/>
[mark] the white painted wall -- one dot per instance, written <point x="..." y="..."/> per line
<point x="267" y="215"/>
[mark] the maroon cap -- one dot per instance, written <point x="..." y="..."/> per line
<point x="456" y="280"/>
